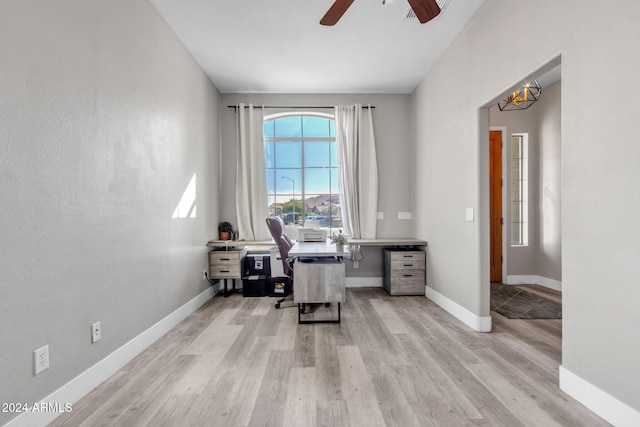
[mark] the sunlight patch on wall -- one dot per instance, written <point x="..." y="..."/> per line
<point x="187" y="205"/>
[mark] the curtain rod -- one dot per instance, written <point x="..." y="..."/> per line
<point x="235" y="107"/>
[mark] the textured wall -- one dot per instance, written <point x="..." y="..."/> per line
<point x="600" y="176"/>
<point x="105" y="120"/>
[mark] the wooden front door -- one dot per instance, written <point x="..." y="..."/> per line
<point x="495" y="210"/>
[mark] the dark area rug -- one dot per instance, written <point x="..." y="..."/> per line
<point x="514" y="303"/>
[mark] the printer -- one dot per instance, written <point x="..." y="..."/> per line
<point x="306" y="234"/>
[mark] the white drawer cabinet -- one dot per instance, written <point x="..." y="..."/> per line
<point x="405" y="272"/>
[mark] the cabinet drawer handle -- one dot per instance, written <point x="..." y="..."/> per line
<point x="225" y="259"/>
<point x="224" y="271"/>
<point x="408" y="275"/>
<point x="407" y="256"/>
<point x="407" y="265"/>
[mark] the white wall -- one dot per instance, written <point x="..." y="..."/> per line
<point x="105" y="120"/>
<point x="548" y="115"/>
<point x="495" y="52"/>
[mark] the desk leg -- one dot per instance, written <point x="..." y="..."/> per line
<point x="300" y="321"/>
<point x="226" y="292"/>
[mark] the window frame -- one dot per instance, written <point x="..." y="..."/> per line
<point x="303" y="140"/>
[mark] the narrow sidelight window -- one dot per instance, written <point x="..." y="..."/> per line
<point x="519" y="190"/>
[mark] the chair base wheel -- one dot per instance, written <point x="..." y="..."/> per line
<point x="277" y="305"/>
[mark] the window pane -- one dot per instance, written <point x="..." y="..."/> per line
<point x="335" y="184"/>
<point x="317" y="154"/>
<point x="316" y="203"/>
<point x="516" y="237"/>
<point x="332" y="128"/>
<point x="334" y="154"/>
<point x="336" y="213"/>
<point x="269" y="155"/>
<point x="271" y="189"/>
<point x="519" y="190"/>
<point x="516" y="194"/>
<point x="316" y="181"/>
<point x="515" y="147"/>
<point x="516" y="213"/>
<point x="324" y="208"/>
<point x="315" y="126"/>
<point x="288" y="154"/>
<point x="268" y="128"/>
<point x="274" y="208"/>
<point x="516" y="169"/>
<point x="284" y="184"/>
<point x="288" y="126"/>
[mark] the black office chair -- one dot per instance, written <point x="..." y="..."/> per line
<point x="284" y="244"/>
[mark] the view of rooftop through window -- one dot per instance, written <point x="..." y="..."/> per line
<point x="302" y="170"/>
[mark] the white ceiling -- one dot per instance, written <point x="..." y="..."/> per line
<point x="278" y="46"/>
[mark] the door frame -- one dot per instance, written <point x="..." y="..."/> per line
<point x="505" y="183"/>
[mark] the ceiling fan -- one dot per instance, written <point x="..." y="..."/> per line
<point x="425" y="10"/>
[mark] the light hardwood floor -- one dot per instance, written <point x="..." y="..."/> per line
<point x="393" y="361"/>
<point x="542" y="291"/>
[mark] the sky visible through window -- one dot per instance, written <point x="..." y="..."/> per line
<point x="302" y="170"/>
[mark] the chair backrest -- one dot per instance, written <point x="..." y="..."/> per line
<point x="276" y="228"/>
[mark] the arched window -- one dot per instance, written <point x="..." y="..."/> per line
<point x="302" y="169"/>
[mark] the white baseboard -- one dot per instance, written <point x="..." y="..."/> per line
<point x="601" y="403"/>
<point x="81" y="385"/>
<point x="480" y="324"/>
<point x="534" y="280"/>
<point x="363" y="282"/>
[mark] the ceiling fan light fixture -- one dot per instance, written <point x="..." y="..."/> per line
<point x="425" y="10"/>
<point x="410" y="14"/>
<point x="522" y="98"/>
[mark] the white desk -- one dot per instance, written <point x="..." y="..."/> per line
<point x="239" y="243"/>
<point x="321" y="280"/>
<point x="404" y="266"/>
<point x="388" y="242"/>
<point x="316" y="249"/>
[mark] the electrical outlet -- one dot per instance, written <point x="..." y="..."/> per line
<point x="41" y="359"/>
<point x="204" y="274"/>
<point x="96" y="332"/>
<point x="356" y="264"/>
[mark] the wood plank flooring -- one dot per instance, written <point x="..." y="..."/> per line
<point x="393" y="361"/>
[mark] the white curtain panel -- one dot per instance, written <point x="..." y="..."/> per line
<point x="358" y="170"/>
<point x="251" y="175"/>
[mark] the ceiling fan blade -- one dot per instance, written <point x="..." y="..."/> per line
<point x="335" y="12"/>
<point x="425" y="10"/>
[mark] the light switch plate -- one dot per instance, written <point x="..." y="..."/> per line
<point x="380" y="216"/>
<point x="96" y="332"/>
<point x="404" y="215"/>
<point x="469" y="214"/>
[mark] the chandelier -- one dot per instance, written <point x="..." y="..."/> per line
<point x="523" y="98"/>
